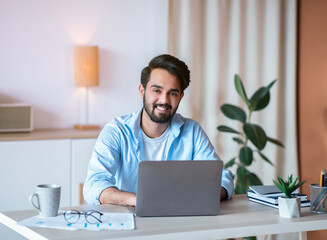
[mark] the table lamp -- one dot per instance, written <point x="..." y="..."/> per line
<point x="86" y="75"/>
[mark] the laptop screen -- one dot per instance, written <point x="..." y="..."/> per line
<point x="178" y="188"/>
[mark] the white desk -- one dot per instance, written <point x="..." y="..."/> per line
<point x="238" y="217"/>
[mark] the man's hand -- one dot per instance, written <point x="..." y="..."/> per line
<point x="223" y="194"/>
<point x="112" y="195"/>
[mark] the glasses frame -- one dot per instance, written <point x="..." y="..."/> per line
<point x="86" y="214"/>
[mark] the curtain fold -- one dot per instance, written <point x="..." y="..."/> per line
<point x="255" y="39"/>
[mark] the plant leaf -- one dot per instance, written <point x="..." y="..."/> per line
<point x="258" y="104"/>
<point x="299" y="185"/>
<point x="241" y="171"/>
<point x="256" y="135"/>
<point x="240" y="89"/>
<point x="268" y="88"/>
<point x="241" y="183"/>
<point x="285" y="187"/>
<point x="281" y="186"/>
<point x="278" y="185"/>
<point x="238" y="140"/>
<point x="290" y="180"/>
<point x="265" y="92"/>
<point x="281" y="181"/>
<point x="260" y="99"/>
<point x="250" y="238"/>
<point x="223" y="128"/>
<point x="292" y="184"/>
<point x="246" y="155"/>
<point x="233" y="112"/>
<point x="275" y="141"/>
<point x="265" y="158"/>
<point x="239" y="187"/>
<point x="230" y="163"/>
<point x="253" y="179"/>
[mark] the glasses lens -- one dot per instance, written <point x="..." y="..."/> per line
<point x="93" y="217"/>
<point x="71" y="216"/>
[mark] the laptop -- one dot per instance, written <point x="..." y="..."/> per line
<point x="178" y="188"/>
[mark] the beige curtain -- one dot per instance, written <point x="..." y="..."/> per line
<point x="255" y="39"/>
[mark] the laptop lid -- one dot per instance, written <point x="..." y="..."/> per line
<point x="178" y="188"/>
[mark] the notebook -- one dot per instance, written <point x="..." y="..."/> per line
<point x="178" y="188"/>
<point x="267" y="190"/>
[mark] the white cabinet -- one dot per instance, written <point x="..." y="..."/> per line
<point x="81" y="153"/>
<point x="25" y="164"/>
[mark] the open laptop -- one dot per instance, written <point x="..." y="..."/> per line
<point x="178" y="188"/>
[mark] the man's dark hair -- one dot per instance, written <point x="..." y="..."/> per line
<point x="170" y="63"/>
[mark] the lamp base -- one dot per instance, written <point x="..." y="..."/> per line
<point x="86" y="127"/>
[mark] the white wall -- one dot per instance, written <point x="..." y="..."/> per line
<point x="37" y="39"/>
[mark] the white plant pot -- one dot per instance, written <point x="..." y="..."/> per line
<point x="289" y="207"/>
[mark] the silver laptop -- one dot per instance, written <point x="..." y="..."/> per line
<point x="178" y="188"/>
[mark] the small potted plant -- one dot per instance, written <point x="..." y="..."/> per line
<point x="290" y="205"/>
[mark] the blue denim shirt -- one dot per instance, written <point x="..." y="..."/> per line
<point x="119" y="149"/>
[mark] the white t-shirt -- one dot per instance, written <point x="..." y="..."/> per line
<point x="155" y="148"/>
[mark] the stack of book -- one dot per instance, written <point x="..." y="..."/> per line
<point x="268" y="195"/>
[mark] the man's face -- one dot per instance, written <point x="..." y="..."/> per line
<point x="161" y="96"/>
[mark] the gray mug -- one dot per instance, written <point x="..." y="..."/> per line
<point x="47" y="199"/>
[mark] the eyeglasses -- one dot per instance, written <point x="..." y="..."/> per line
<point x="91" y="216"/>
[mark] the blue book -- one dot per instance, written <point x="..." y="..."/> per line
<point x="303" y="204"/>
<point x="273" y="199"/>
<point x="267" y="190"/>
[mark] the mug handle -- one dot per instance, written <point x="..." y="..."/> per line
<point x="37" y="206"/>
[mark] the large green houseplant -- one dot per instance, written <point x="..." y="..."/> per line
<point x="250" y="132"/>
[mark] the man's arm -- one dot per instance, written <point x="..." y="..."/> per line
<point x="103" y="164"/>
<point x="112" y="195"/>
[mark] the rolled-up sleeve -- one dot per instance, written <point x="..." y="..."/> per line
<point x="227" y="182"/>
<point x="103" y="165"/>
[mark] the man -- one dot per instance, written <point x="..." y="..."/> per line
<point x="155" y="132"/>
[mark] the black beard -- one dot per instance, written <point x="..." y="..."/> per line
<point x="157" y="119"/>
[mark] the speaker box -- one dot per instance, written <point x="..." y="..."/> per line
<point x="16" y="117"/>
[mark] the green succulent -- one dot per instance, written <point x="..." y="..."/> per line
<point x="250" y="133"/>
<point x="288" y="186"/>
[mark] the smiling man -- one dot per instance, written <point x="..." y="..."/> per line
<point x="155" y="132"/>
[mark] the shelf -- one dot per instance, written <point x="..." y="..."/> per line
<point x="41" y="134"/>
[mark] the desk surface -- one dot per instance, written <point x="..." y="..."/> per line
<point x="238" y="217"/>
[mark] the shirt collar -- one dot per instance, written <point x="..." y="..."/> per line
<point x="176" y="123"/>
<point x="134" y="123"/>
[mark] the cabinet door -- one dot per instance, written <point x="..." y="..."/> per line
<point x="25" y="164"/>
<point x="81" y="153"/>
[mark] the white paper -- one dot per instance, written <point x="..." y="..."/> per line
<point x="110" y="221"/>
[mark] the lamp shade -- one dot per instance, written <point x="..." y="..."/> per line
<point x="86" y="66"/>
